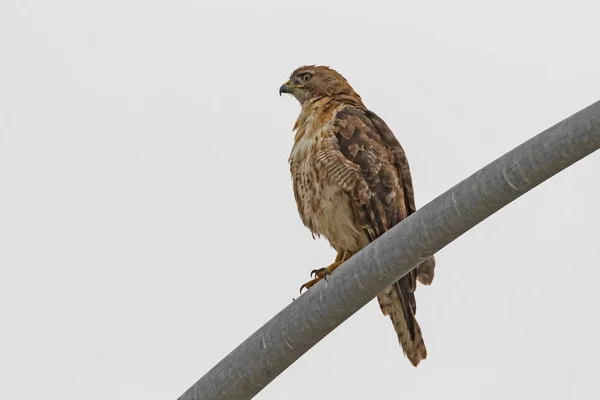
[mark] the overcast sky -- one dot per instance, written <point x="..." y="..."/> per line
<point x="148" y="226"/>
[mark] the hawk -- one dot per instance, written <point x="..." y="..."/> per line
<point x="352" y="183"/>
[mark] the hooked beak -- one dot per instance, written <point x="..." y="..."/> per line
<point x="286" y="88"/>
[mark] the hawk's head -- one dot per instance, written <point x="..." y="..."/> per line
<point x="312" y="81"/>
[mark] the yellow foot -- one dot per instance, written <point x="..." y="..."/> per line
<point x="319" y="274"/>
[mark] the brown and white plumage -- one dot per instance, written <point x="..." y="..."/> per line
<point x="352" y="183"/>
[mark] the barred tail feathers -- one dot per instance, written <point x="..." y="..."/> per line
<point x="398" y="302"/>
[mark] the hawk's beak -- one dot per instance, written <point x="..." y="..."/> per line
<point x="285" y="88"/>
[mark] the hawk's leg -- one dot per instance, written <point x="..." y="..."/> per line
<point x="323" y="272"/>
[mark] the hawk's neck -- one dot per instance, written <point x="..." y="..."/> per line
<point x="314" y="115"/>
<point x="321" y="110"/>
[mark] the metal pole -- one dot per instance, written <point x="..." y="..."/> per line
<point x="298" y="327"/>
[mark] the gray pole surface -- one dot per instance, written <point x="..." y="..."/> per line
<point x="298" y="327"/>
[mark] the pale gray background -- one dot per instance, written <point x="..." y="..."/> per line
<point x="147" y="223"/>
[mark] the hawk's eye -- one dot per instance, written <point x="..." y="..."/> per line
<point x="305" y="77"/>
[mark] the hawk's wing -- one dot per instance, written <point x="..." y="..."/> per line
<point x="425" y="271"/>
<point x="382" y="194"/>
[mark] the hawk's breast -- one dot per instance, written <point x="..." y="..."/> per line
<point x="324" y="206"/>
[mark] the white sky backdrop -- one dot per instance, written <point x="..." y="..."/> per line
<point x="148" y="226"/>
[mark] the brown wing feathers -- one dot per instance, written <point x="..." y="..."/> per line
<point x="367" y="142"/>
<point x="425" y="271"/>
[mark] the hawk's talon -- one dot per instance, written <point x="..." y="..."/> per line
<point x="308" y="285"/>
<point x="319" y="273"/>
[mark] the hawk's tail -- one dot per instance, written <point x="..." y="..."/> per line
<point x="426" y="271"/>
<point x="398" y="301"/>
